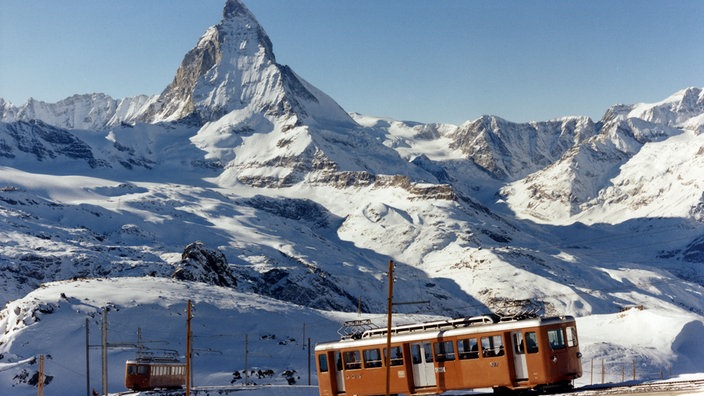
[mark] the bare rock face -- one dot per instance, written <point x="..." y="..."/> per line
<point x="507" y="150"/>
<point x="200" y="264"/>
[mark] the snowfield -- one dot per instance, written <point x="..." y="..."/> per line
<point x="250" y="192"/>
<point x="51" y="321"/>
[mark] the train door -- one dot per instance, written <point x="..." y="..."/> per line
<point x="339" y="375"/>
<point x="519" y="356"/>
<point x="423" y="366"/>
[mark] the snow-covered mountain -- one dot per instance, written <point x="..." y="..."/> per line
<point x="645" y="161"/>
<point x="233" y="69"/>
<point x="91" y="111"/>
<point x="248" y="190"/>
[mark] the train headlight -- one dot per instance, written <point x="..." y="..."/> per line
<point x="579" y="355"/>
<point x="554" y="359"/>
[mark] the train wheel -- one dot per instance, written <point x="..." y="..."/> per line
<point x="503" y="391"/>
<point x="559" y="387"/>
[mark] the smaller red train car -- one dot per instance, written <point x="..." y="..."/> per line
<point x="153" y="373"/>
<point x="435" y="357"/>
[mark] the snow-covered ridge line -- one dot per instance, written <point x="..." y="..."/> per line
<point x="88" y="111"/>
<point x="246" y="189"/>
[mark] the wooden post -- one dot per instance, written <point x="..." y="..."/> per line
<point x="591" y="374"/>
<point x="387" y="358"/>
<point x="623" y="373"/>
<point x="87" y="361"/>
<point x="246" y="359"/>
<point x="104" y="348"/>
<point x="188" y="349"/>
<point x="602" y="371"/>
<point x="634" y="369"/>
<point x="309" y="354"/>
<point x="40" y="376"/>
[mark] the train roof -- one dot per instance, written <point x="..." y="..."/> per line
<point x="154" y="360"/>
<point x="450" y="327"/>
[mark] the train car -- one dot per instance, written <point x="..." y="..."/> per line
<point x="458" y="354"/>
<point x="152" y="373"/>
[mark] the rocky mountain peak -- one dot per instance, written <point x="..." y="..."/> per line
<point x="508" y="150"/>
<point x="233" y="68"/>
<point x="234" y="8"/>
<point x="674" y="111"/>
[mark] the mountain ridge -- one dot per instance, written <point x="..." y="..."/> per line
<point x="278" y="192"/>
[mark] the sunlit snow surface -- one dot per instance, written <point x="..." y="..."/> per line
<point x="99" y="197"/>
<point x="51" y="321"/>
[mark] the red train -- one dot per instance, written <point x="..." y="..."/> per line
<point x="152" y="373"/>
<point x="467" y="353"/>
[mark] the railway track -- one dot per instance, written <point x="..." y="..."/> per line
<point x="670" y="388"/>
<point x="690" y="387"/>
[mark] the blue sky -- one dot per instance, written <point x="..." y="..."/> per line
<point x="428" y="61"/>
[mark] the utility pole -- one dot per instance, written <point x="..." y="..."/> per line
<point x="139" y="343"/>
<point x="308" y="360"/>
<point x="246" y="359"/>
<point x="387" y="358"/>
<point x="188" y="349"/>
<point x="104" y="347"/>
<point x="40" y="377"/>
<point x="304" y="335"/>
<point x="87" y="361"/>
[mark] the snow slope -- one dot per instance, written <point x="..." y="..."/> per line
<point x="51" y="321"/>
<point x="299" y="207"/>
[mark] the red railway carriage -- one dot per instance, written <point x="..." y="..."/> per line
<point x="153" y="373"/>
<point x="467" y="353"/>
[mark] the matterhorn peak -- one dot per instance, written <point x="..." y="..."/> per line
<point x="235" y="8"/>
<point x="233" y="68"/>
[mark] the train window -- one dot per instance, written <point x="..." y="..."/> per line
<point x="531" y="342"/>
<point x="415" y="354"/>
<point x="352" y="360"/>
<point x="428" y="352"/>
<point x="372" y="358"/>
<point x="492" y="346"/>
<point x="444" y="351"/>
<point x="396" y="356"/>
<point x="556" y="339"/>
<point x="338" y="361"/>
<point x="518" y="346"/>
<point x="468" y="348"/>
<point x="571" y="336"/>
<point x="131" y="370"/>
<point x="141" y="369"/>
<point x="323" y="363"/>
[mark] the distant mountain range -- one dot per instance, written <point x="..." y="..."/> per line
<point x="278" y="192"/>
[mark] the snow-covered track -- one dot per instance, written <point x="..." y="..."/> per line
<point x="689" y="387"/>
